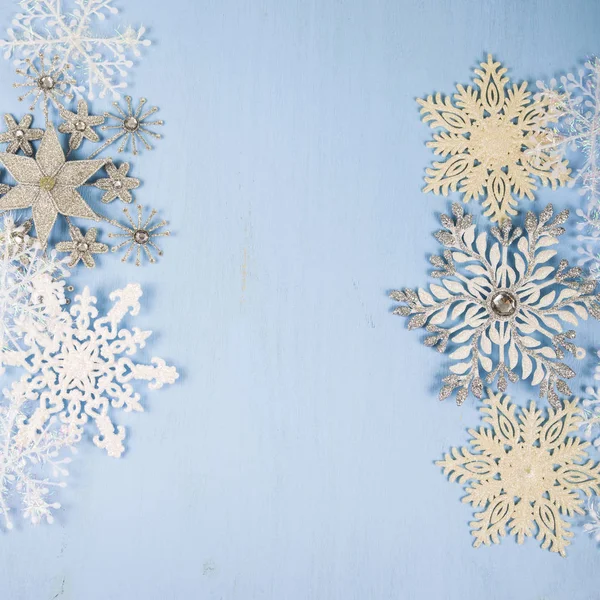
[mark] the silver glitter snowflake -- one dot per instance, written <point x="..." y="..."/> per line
<point x="494" y="307"/>
<point x="31" y="288"/>
<point x="84" y="364"/>
<point x="82" y="247"/>
<point x="130" y="126"/>
<point x="66" y="28"/>
<point x="20" y="135"/>
<point x="47" y="85"/>
<point x="139" y="236"/>
<point x="32" y="466"/>
<point x="79" y="125"/>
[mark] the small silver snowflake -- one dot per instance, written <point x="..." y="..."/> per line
<point x="494" y="306"/>
<point x="117" y="184"/>
<point x="20" y="135"/>
<point x="79" y="125"/>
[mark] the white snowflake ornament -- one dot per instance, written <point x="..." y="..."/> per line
<point x="495" y="309"/>
<point x="84" y="365"/>
<point x="68" y="29"/>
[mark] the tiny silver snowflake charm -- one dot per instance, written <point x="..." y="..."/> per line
<point x="494" y="308"/>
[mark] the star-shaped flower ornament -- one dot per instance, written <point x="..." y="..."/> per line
<point x="20" y="135"/>
<point x="490" y="141"/>
<point x="79" y="125"/>
<point x="524" y="473"/>
<point x="48" y="184"/>
<point x="501" y="307"/>
<point x="82" y="247"/>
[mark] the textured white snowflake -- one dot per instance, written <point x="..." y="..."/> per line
<point x="80" y="366"/>
<point x="31" y="287"/>
<point x="592" y="526"/>
<point x="590" y="413"/>
<point x="501" y="306"/>
<point x="31" y="466"/>
<point x="68" y="29"/>
<point x="575" y="99"/>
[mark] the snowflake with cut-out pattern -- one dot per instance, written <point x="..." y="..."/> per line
<point x="501" y="306"/>
<point x="82" y="365"/>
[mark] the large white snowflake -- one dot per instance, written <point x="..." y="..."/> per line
<point x="31" y="287"/>
<point x="31" y="466"/>
<point x="67" y="29"/>
<point x="80" y="366"/>
<point x="502" y="307"/>
<point x="575" y="100"/>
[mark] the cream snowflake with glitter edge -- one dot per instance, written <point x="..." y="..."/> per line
<point x="66" y="29"/>
<point x="524" y="472"/>
<point x="80" y="366"/>
<point x="486" y="143"/>
<point x="494" y="307"/>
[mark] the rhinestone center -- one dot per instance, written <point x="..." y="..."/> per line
<point x="83" y="247"/>
<point x="47" y="183"/>
<point x="118" y="184"/>
<point x="504" y="303"/>
<point x="131" y="124"/>
<point x="141" y="236"/>
<point x="19" y="133"/>
<point x="80" y="126"/>
<point x="46" y="82"/>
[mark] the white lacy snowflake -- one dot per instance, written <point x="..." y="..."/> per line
<point x="31" y="466"/>
<point x="592" y="526"/>
<point x="68" y="29"/>
<point x="576" y="102"/>
<point x="82" y="366"/>
<point x="495" y="306"/>
<point x="31" y="287"/>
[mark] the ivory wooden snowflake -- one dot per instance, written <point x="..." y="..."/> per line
<point x="67" y="29"/>
<point x="487" y="135"/>
<point x="496" y="306"/>
<point x="524" y="473"/>
<point x="84" y="365"/>
<point x="31" y="287"/>
<point x="32" y="467"/>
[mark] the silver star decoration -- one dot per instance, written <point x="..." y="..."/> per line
<point x="79" y="125"/>
<point x="117" y="184"/>
<point x="48" y="184"/>
<point x="82" y="247"/>
<point x="19" y="135"/>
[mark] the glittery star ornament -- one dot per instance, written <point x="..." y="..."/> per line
<point x="48" y="184"/>
<point x="20" y="135"/>
<point x="79" y="125"/>
<point x="131" y="126"/>
<point x="82" y="247"/>
<point x="490" y="141"/>
<point x="525" y="473"/>
<point x="117" y="184"/>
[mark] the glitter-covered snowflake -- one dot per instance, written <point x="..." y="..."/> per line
<point x="67" y="29"/>
<point x="32" y="467"/>
<point x="486" y="142"/>
<point x="82" y="365"/>
<point x="525" y="473"/>
<point x="31" y="287"/>
<point x="592" y="526"/>
<point x="494" y="306"/>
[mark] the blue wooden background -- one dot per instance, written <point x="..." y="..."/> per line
<point x="294" y="458"/>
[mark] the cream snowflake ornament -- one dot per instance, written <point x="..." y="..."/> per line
<point x="494" y="307"/>
<point x="66" y="29"/>
<point x="525" y="473"/>
<point x="32" y="468"/>
<point x="84" y="364"/>
<point x="486" y="142"/>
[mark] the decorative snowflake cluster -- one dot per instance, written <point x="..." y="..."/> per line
<point x="497" y="307"/>
<point x="525" y="473"/>
<point x="487" y="139"/>
<point x="31" y="287"/>
<point x="66" y="29"/>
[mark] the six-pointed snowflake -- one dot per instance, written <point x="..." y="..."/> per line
<point x="525" y="473"/>
<point x="487" y="140"/>
<point x="66" y="29"/>
<point x="81" y="366"/>
<point x="496" y="305"/>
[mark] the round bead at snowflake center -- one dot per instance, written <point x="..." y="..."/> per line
<point x="47" y="183"/>
<point x="80" y="126"/>
<point x="19" y="133"/>
<point x="46" y="82"/>
<point x="131" y="124"/>
<point x="141" y="236"/>
<point x="504" y="303"/>
<point x="117" y="184"/>
<point x="83" y="247"/>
